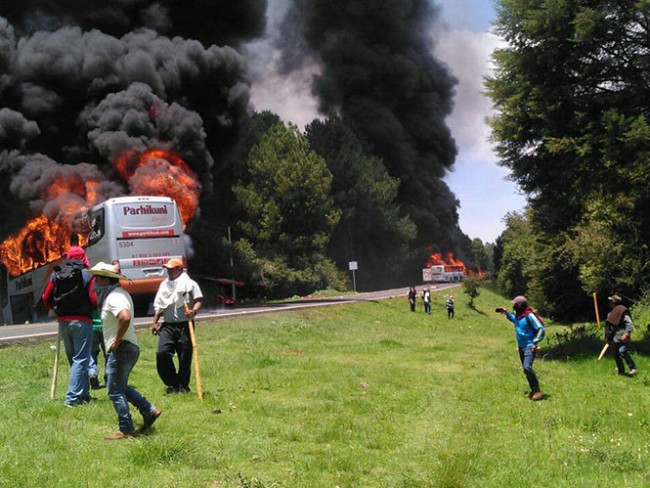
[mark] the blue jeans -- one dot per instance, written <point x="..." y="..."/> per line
<point x="621" y="353"/>
<point x="427" y="307"/>
<point x="77" y="339"/>
<point x="527" y="356"/>
<point x="119" y="365"/>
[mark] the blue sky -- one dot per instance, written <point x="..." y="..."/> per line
<point x="464" y="42"/>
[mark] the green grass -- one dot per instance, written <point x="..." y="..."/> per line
<point x="358" y="395"/>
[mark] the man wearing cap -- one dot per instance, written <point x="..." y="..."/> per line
<point x="529" y="331"/>
<point x="74" y="312"/>
<point x="173" y="332"/>
<point x="618" y="328"/>
<point x="116" y="312"/>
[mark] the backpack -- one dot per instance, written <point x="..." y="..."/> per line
<point x="70" y="296"/>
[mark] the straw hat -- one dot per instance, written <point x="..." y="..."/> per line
<point x="107" y="270"/>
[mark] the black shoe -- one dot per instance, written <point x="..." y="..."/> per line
<point x="183" y="389"/>
<point x="170" y="390"/>
<point x="94" y="383"/>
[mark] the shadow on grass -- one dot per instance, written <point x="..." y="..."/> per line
<point x="584" y="342"/>
<point x="472" y="307"/>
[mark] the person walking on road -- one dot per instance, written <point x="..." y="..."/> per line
<point x="117" y="314"/>
<point x="70" y="293"/>
<point x="173" y="332"/>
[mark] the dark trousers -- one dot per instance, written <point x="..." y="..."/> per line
<point x="621" y="354"/>
<point x="174" y="339"/>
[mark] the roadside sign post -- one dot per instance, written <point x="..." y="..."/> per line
<point x="232" y="267"/>
<point x="353" y="266"/>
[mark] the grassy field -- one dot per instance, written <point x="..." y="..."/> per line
<point x="361" y="395"/>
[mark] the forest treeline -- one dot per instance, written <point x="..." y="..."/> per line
<point x="572" y="94"/>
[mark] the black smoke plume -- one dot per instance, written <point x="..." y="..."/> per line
<point x="82" y="80"/>
<point x="379" y="74"/>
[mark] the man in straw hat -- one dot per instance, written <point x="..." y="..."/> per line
<point x="618" y="328"/>
<point x="116" y="311"/>
<point x="173" y="333"/>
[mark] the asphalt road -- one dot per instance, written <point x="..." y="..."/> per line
<point x="28" y="333"/>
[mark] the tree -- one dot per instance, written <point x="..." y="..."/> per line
<point x="471" y="286"/>
<point x="289" y="213"/>
<point x="371" y="229"/>
<point x="479" y="254"/>
<point x="571" y="89"/>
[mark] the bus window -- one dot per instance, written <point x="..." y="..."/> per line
<point x="97" y="226"/>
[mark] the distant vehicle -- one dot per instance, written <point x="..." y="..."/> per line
<point x="443" y="273"/>
<point x="138" y="233"/>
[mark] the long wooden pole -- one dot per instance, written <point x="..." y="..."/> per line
<point x="195" y="354"/>
<point x="55" y="368"/>
<point x="596" y="308"/>
<point x="606" y="346"/>
<point x="603" y="351"/>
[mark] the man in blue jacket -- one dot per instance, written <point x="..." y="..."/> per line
<point x="529" y="331"/>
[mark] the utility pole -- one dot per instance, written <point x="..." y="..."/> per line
<point x="232" y="267"/>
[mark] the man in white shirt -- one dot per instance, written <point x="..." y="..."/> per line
<point x="116" y="312"/>
<point x="177" y="291"/>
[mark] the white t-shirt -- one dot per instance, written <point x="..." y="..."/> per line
<point x="115" y="302"/>
<point x="171" y="295"/>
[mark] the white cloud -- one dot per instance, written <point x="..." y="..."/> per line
<point x="482" y="187"/>
<point x="467" y="55"/>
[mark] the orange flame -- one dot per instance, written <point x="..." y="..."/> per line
<point x="162" y="173"/>
<point x="155" y="172"/>
<point x="39" y="242"/>
<point x="448" y="261"/>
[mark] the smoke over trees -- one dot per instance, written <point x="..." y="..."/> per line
<point x="81" y="81"/>
<point x="379" y="74"/>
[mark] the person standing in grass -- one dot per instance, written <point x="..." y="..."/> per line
<point x="116" y="312"/>
<point x="618" y="328"/>
<point x="174" y="333"/>
<point x="413" y="294"/>
<point x="97" y="346"/>
<point x="450" y="307"/>
<point x="426" y="299"/>
<point x="70" y="293"/>
<point x="529" y="330"/>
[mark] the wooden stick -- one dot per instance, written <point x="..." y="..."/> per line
<point x="602" y="353"/>
<point x="190" y="324"/>
<point x="55" y="368"/>
<point x="596" y="307"/>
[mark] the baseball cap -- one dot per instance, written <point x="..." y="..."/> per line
<point x="173" y="263"/>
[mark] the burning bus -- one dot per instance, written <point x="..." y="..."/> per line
<point x="444" y="269"/>
<point x="138" y="233"/>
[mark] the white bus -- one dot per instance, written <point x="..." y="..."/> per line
<point x="139" y="234"/>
